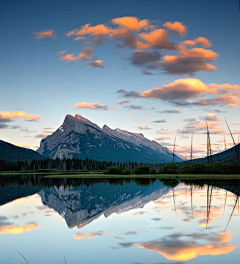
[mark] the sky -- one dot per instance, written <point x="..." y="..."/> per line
<point x="160" y="68"/>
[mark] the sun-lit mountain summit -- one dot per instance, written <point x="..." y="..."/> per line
<point x="78" y="137"/>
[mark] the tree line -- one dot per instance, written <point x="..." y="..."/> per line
<point x="70" y="165"/>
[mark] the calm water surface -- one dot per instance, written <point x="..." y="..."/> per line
<point x="118" y="222"/>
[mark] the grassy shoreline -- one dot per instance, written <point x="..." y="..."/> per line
<point x="78" y="174"/>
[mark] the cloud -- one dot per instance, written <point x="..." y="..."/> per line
<point x="123" y="102"/>
<point x="46" y="34"/>
<point x="138" y="214"/>
<point x="178" y="27"/>
<point x="79" y="38"/>
<point x="97" y="64"/>
<point x="3" y="126"/>
<point x="94" y="106"/>
<point x="163" y="137"/>
<point x="180" y="247"/>
<point x="200" y="127"/>
<point x="43" y="135"/>
<point x="47" y="131"/>
<point x="61" y="52"/>
<point x="210" y="117"/>
<point x="159" y="121"/>
<point x="87" y="29"/>
<point x="18" y="114"/>
<point x="83" y="55"/>
<point x="17" y="230"/>
<point x="158" y="39"/>
<point x="134" y="33"/>
<point x="190" y="92"/>
<point x="205" y="43"/>
<point x="142" y="127"/>
<point x="87" y="235"/>
<point x="5" y="120"/>
<point x="189" y="61"/>
<point x="190" y="119"/>
<point x="174" y="111"/>
<point x="134" y="107"/>
<point x="145" y="72"/>
<point x="129" y="233"/>
<point x="131" y="23"/>
<point x="140" y="58"/>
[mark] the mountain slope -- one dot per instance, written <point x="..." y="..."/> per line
<point x="80" y="138"/>
<point x="228" y="155"/>
<point x="11" y="152"/>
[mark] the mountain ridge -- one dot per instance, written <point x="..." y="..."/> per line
<point x="78" y="137"/>
<point x="10" y="152"/>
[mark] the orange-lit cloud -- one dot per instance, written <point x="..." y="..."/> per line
<point x="17" y="230"/>
<point x="157" y="38"/>
<point x="46" y="34"/>
<point x="178" y="27"/>
<point x="42" y="135"/>
<point x="142" y="127"/>
<point x="18" y="114"/>
<point x="189" y="61"/>
<point x="79" y="38"/>
<point x="182" y="250"/>
<point x="138" y="214"/>
<point x="205" y="43"/>
<point x="211" y="117"/>
<point x="90" y="30"/>
<point x="123" y="102"/>
<point x="87" y="235"/>
<point x="97" y="64"/>
<point x="83" y="55"/>
<point x="94" y="106"/>
<point x="131" y="23"/>
<point x="132" y="32"/>
<point x="190" y="91"/>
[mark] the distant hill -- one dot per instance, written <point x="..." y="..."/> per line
<point x="78" y="137"/>
<point x="11" y="152"/>
<point x="225" y="156"/>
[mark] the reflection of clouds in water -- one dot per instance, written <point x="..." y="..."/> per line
<point x="138" y="214"/>
<point x="89" y="234"/>
<point x="4" y="221"/>
<point x="11" y="229"/>
<point x="205" y="223"/>
<point x="156" y="219"/>
<point x="182" y="247"/>
<point x="129" y="233"/>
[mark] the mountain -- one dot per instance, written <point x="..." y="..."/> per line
<point x="11" y="152"/>
<point x="78" y="137"/>
<point x="228" y="155"/>
<point x="82" y="204"/>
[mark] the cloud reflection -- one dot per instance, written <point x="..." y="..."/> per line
<point x="17" y="230"/>
<point x="186" y="247"/>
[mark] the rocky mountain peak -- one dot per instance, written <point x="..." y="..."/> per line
<point x="81" y="117"/>
<point x="78" y="137"/>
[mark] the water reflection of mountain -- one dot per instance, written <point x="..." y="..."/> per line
<point x="14" y="191"/>
<point x="81" y="205"/>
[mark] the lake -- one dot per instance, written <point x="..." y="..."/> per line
<point x="118" y="221"/>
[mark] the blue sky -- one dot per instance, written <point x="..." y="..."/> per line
<point x="144" y="46"/>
